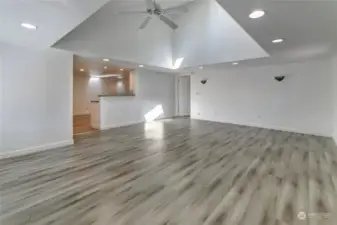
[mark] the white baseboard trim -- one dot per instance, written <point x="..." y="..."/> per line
<point x="35" y="149"/>
<point x="174" y="117"/>
<point x="107" y="127"/>
<point x="268" y="127"/>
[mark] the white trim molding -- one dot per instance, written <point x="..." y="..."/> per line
<point x="35" y="149"/>
<point x="268" y="127"/>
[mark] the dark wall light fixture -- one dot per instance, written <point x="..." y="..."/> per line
<point x="203" y="81"/>
<point x="279" y="78"/>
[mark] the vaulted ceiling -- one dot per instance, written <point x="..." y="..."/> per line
<point x="308" y="28"/>
<point x="207" y="34"/>
<point x="54" y="18"/>
<point x="211" y="32"/>
<point x="110" y="34"/>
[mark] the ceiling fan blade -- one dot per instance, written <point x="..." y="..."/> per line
<point x="145" y="23"/>
<point x="150" y="4"/>
<point x="176" y="10"/>
<point x="133" y="12"/>
<point x="169" y="22"/>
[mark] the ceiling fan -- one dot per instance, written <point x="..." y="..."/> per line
<point x="154" y="10"/>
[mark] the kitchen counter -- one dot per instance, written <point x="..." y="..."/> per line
<point x="116" y="95"/>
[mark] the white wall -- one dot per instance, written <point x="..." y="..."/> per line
<point x="1" y="97"/>
<point x="301" y="103"/>
<point x="36" y="98"/>
<point x="95" y="88"/>
<point x="334" y="86"/>
<point x="201" y="39"/>
<point x="152" y="89"/>
<point x="81" y="101"/>
<point x="95" y="117"/>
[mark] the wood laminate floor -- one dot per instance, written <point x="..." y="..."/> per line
<point x="175" y="172"/>
<point x="82" y="124"/>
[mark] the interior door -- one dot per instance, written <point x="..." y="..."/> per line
<point x="184" y="96"/>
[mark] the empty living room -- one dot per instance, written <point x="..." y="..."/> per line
<point x="168" y="112"/>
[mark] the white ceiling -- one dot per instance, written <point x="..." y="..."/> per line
<point x="308" y="27"/>
<point x="110" y="34"/>
<point x="207" y="34"/>
<point x="54" y="18"/>
<point x="94" y="28"/>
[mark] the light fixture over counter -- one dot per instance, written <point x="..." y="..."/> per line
<point x="107" y="75"/>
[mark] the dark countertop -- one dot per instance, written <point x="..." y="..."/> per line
<point x="116" y="95"/>
<point x="127" y="95"/>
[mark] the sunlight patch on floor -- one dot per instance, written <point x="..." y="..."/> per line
<point x="154" y="113"/>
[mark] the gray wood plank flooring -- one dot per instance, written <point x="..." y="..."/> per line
<point x="175" y="172"/>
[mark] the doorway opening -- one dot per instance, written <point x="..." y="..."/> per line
<point x="94" y="79"/>
<point x="184" y="96"/>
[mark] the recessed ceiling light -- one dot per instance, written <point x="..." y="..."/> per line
<point x="235" y="63"/>
<point x="201" y="67"/>
<point x="105" y="67"/>
<point x="82" y="70"/>
<point x="121" y="69"/>
<point x="280" y="40"/>
<point x="256" y="14"/>
<point x="29" y="26"/>
<point x="106" y="60"/>
<point x="141" y="65"/>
